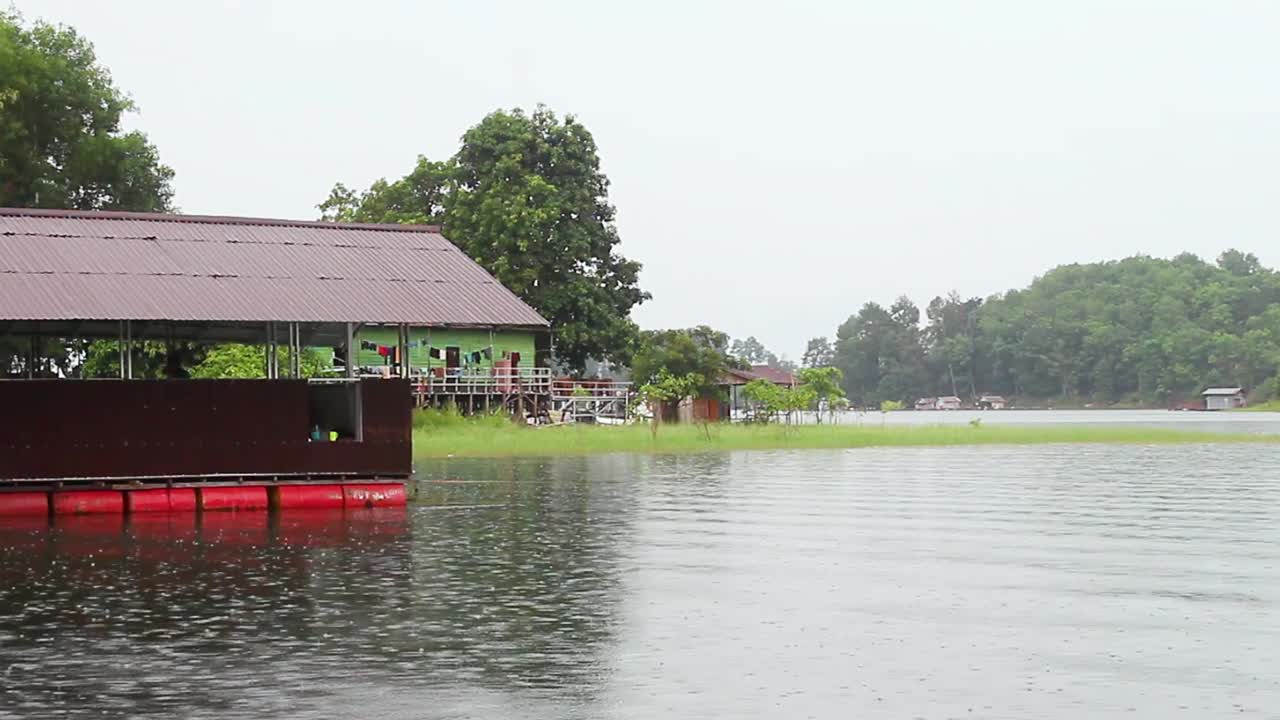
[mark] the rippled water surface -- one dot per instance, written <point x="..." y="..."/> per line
<point x="1029" y="582"/>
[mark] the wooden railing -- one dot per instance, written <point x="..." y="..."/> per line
<point x="495" y="381"/>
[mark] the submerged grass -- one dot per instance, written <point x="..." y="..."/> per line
<point x="498" y="438"/>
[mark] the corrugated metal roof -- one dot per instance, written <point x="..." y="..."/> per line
<point x="73" y="265"/>
<point x="734" y="376"/>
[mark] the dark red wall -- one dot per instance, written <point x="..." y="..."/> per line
<point x="171" y="428"/>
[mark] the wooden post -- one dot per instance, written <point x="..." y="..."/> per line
<point x="349" y="360"/>
<point x="31" y="357"/>
<point x="128" y="349"/>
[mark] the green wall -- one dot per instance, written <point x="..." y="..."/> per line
<point x="468" y="341"/>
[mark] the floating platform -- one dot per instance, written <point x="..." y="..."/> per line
<point x="117" y="446"/>
<point x="211" y="499"/>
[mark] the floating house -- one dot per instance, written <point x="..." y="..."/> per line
<point x="927" y="404"/>
<point x="383" y="296"/>
<point x="1223" y="398"/>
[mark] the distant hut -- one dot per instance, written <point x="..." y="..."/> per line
<point x="992" y="402"/>
<point x="1223" y="398"/>
<point x="949" y="402"/>
<point x="927" y="404"/>
<point x="731" y="383"/>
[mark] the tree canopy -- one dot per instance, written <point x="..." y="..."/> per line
<point x="699" y="352"/>
<point x="525" y="197"/>
<point x="1142" y="329"/>
<point x="61" y="144"/>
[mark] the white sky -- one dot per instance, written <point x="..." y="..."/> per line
<point x="775" y="165"/>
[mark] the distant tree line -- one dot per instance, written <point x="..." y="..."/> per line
<point x="1142" y="330"/>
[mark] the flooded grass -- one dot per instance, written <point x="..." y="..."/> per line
<point x="495" y="438"/>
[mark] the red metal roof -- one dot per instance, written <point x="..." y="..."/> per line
<point x="75" y="265"/>
<point x="735" y="376"/>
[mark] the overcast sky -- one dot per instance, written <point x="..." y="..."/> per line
<point x="775" y="165"/>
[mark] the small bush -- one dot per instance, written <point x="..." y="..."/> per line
<point x="451" y="418"/>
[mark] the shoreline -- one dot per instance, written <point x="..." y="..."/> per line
<point x="493" y="440"/>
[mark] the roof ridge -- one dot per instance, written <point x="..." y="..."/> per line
<point x="212" y="219"/>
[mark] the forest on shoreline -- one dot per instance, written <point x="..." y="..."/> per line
<point x="1139" y="331"/>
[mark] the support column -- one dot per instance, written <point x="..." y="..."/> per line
<point x="273" y="353"/>
<point x="31" y="358"/>
<point x="295" y="350"/>
<point x="128" y="349"/>
<point x="120" y="350"/>
<point x="404" y="352"/>
<point x="349" y="360"/>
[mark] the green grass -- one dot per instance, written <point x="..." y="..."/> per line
<point x="496" y="437"/>
<point x="1272" y="406"/>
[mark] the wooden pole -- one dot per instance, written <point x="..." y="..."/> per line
<point x="128" y="349"/>
<point x="349" y="360"/>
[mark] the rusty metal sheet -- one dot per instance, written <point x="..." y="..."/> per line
<point x="140" y="429"/>
<point x="72" y="265"/>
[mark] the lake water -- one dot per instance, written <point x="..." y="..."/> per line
<point x="996" y="582"/>
<point x="1241" y="422"/>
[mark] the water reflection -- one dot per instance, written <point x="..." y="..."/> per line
<point x="995" y="582"/>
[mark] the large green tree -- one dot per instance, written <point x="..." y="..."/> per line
<point x="880" y="353"/>
<point x="525" y="197"/>
<point x="61" y="143"/>
<point x="62" y="146"/>
<point x="699" y="352"/>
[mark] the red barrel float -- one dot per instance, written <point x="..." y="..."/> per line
<point x="233" y="498"/>
<point x="372" y="495"/>
<point x="150" y="500"/>
<point x="87" y="502"/>
<point x="309" y="497"/>
<point x="160" y="500"/>
<point x="182" y="499"/>
<point x="24" y="504"/>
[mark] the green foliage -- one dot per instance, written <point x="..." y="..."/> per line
<point x="102" y="359"/>
<point x="818" y="353"/>
<point x="1142" y="329"/>
<point x="229" y="361"/>
<point x="891" y="405"/>
<point x="825" y="382"/>
<point x="61" y="142"/>
<point x="699" y="351"/>
<point x="751" y="352"/>
<point x="450" y="418"/>
<point x="773" y="400"/>
<point x="765" y="397"/>
<point x="525" y="197"/>
<point x="416" y="199"/>
<point x="249" y="361"/>
<point x="665" y="387"/>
